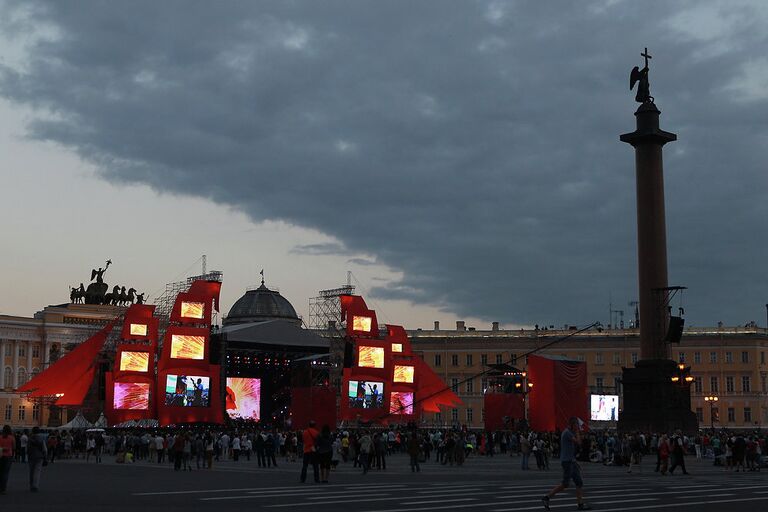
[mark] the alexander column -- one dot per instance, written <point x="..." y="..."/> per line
<point x="656" y="397"/>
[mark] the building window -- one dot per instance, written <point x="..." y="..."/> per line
<point x="713" y="387"/>
<point x="700" y="414"/>
<point x="455" y="385"/>
<point x="8" y="377"/>
<point x="747" y="415"/>
<point x="634" y="357"/>
<point x="499" y="359"/>
<point x="22" y="379"/>
<point x="454" y="415"/>
<point x="617" y="385"/>
<point x="22" y="413"/>
<point x="697" y="385"/>
<point x="681" y="357"/>
<point x="599" y="382"/>
<point x="580" y="357"/>
<point x="697" y="357"/>
<point x="599" y="358"/>
<point x="713" y="357"/>
<point x="745" y="357"/>
<point x="454" y="359"/>
<point x="438" y="360"/>
<point x="616" y="358"/>
<point x="22" y="350"/>
<point x="8" y="352"/>
<point x="470" y="386"/>
<point x="484" y="359"/>
<point x="469" y="415"/>
<point x="469" y="359"/>
<point x="36" y="412"/>
<point x="762" y="357"/>
<point x="484" y="384"/>
<point x="728" y="357"/>
<point x="8" y="412"/>
<point x="746" y="384"/>
<point x="731" y="415"/>
<point x="729" y="387"/>
<point x="35" y="350"/>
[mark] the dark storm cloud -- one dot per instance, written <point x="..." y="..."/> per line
<point x="471" y="145"/>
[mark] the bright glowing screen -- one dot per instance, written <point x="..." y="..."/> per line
<point x="131" y="395"/>
<point x="244" y="398"/>
<point x="187" y="391"/>
<point x="371" y="357"/>
<point x="365" y="394"/>
<point x="138" y="329"/>
<point x="403" y="374"/>
<point x="401" y="402"/>
<point x="134" y="361"/>
<point x="192" y="309"/>
<point x="187" y="347"/>
<point x="397" y="347"/>
<point x="604" y="408"/>
<point x="361" y="323"/>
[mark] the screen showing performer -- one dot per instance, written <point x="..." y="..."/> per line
<point x="244" y="398"/>
<point x="131" y="395"/>
<point x="401" y="402"/>
<point x="605" y="408"/>
<point x="134" y="361"/>
<point x="192" y="309"/>
<point x="371" y="357"/>
<point x="187" y="347"/>
<point x="187" y="391"/>
<point x="403" y="373"/>
<point x="365" y="394"/>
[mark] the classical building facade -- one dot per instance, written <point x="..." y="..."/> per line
<point x="727" y="362"/>
<point x="29" y="344"/>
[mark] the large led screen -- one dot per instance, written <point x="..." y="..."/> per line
<point x="371" y="357"/>
<point x="364" y="394"/>
<point x="604" y="408"/>
<point x="192" y="309"/>
<point x="134" y="361"/>
<point x="131" y="395"/>
<point x="361" y="323"/>
<point x="187" y="391"/>
<point x="138" y="329"/>
<point x="244" y="398"/>
<point x="397" y="347"/>
<point x="187" y="347"/>
<point x="403" y="374"/>
<point x="401" y="402"/>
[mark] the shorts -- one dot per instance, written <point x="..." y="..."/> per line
<point x="571" y="471"/>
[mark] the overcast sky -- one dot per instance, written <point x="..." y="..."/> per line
<point x="460" y="157"/>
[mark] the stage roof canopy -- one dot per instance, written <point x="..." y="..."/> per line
<point x="273" y="334"/>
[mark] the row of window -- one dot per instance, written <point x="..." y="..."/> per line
<point x="22" y="376"/>
<point x="469" y="415"/>
<point x="22" y="412"/>
<point x="730" y="384"/>
<point x="731" y="414"/>
<point x="713" y="357"/>
<point x="22" y="350"/>
<point x="470" y="359"/>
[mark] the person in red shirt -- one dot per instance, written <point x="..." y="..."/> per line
<point x="7" y="445"/>
<point x="309" y="438"/>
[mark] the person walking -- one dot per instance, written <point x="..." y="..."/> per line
<point x="678" y="454"/>
<point x="7" y="453"/>
<point x="37" y="455"/>
<point x="570" y="440"/>
<point x="366" y="447"/>
<point x="663" y="453"/>
<point x="414" y="449"/>
<point x="324" y="453"/>
<point x="309" y="438"/>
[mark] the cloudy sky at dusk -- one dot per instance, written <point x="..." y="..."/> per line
<point x="460" y="157"/>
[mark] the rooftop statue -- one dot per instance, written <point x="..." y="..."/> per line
<point x="640" y="77"/>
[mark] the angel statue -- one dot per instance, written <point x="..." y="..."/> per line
<point x="640" y="77"/>
<point x="99" y="274"/>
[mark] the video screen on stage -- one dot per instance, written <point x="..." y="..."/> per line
<point x="365" y="394"/>
<point x="401" y="402"/>
<point x="187" y="391"/>
<point x="361" y="323"/>
<point x="134" y="361"/>
<point x="397" y="347"/>
<point x="192" y="309"/>
<point x="131" y="395"/>
<point x="187" y="347"/>
<point x="404" y="374"/>
<point x="244" y="398"/>
<point x="138" y="329"/>
<point x="604" y="408"/>
<point x="371" y="357"/>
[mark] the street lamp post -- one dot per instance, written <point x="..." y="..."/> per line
<point x="712" y="401"/>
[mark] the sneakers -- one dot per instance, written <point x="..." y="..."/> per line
<point x="545" y="501"/>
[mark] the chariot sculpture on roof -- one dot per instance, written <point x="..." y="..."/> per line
<point x="96" y="293"/>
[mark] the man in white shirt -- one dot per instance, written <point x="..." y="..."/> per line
<point x="24" y="443"/>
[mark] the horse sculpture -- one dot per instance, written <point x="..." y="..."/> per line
<point x="111" y="298"/>
<point x="77" y="295"/>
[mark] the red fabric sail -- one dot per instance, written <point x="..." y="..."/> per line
<point x="432" y="391"/>
<point x="559" y="392"/>
<point x="68" y="374"/>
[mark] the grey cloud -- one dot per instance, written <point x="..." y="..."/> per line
<point x="324" y="249"/>
<point x="361" y="262"/>
<point x="472" y="147"/>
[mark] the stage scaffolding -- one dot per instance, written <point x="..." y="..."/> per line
<point x="325" y="318"/>
<point x="164" y="303"/>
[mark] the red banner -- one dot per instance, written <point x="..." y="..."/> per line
<point x="560" y="391"/>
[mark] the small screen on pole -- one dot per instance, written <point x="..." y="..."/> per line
<point x="604" y="408"/>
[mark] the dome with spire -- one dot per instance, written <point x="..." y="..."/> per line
<point x="260" y="305"/>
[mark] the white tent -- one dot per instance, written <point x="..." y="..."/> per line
<point x="77" y="422"/>
<point x="101" y="422"/>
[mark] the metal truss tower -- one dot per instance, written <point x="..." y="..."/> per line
<point x="325" y="318"/>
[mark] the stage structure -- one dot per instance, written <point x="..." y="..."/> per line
<point x="560" y="392"/>
<point x="504" y="397"/>
<point x="384" y="382"/>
